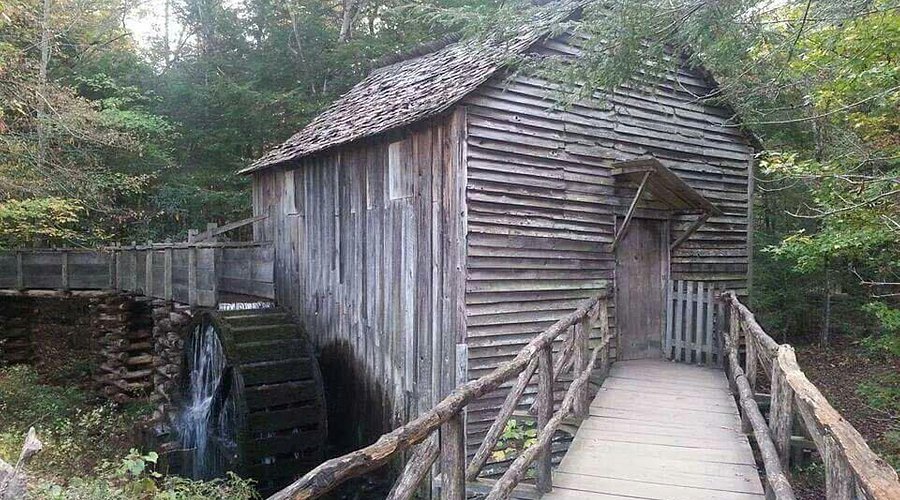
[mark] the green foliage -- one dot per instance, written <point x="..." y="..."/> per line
<point x="516" y="437"/>
<point x="888" y="447"/>
<point x="77" y="431"/>
<point x="49" y="220"/>
<point x="887" y="340"/>
<point x="135" y="478"/>
<point x="882" y="393"/>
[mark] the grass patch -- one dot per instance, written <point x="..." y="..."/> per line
<point x="90" y="446"/>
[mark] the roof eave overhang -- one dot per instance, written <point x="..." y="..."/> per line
<point x="665" y="185"/>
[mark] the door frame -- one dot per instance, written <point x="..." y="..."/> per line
<point x="665" y="227"/>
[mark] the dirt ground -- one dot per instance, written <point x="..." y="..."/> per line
<point x="838" y="371"/>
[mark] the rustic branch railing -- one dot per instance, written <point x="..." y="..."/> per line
<point x="435" y="433"/>
<point x="853" y="471"/>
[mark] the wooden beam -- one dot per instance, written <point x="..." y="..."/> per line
<point x="689" y="231"/>
<point x="213" y="230"/>
<point x="499" y="423"/>
<point x="416" y="468"/>
<point x="776" y="482"/>
<point x="628" y="215"/>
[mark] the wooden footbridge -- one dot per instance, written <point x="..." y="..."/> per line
<point x="656" y="429"/>
<point x="201" y="271"/>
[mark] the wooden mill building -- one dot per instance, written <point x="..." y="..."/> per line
<point x="445" y="210"/>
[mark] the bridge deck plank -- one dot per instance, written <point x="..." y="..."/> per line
<point x="660" y="430"/>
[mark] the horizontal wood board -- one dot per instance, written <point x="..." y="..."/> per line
<point x="660" y="430"/>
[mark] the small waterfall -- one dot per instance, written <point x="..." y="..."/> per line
<point x="206" y="423"/>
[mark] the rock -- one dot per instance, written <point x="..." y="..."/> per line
<point x="13" y="482"/>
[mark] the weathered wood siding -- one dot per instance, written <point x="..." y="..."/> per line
<point x="369" y="254"/>
<point x="543" y="207"/>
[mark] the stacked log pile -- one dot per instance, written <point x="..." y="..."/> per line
<point x="170" y="327"/>
<point x="124" y="330"/>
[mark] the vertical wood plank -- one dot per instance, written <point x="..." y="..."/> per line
<point x="113" y="257"/>
<point x="192" y="276"/>
<point x="543" y="479"/>
<point x="710" y="335"/>
<point x="148" y="270"/>
<point x="453" y="443"/>
<point x="698" y="322"/>
<point x="20" y="273"/>
<point x="689" y="332"/>
<point x="214" y="255"/>
<point x="679" y="320"/>
<point x="670" y="321"/>
<point x="64" y="265"/>
<point x="134" y="267"/>
<point x="167" y="274"/>
<point x="120" y="269"/>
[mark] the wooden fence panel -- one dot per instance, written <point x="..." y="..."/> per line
<point x="191" y="273"/>
<point x="691" y="334"/>
<point x="247" y="271"/>
<point x="89" y="270"/>
<point x="8" y="264"/>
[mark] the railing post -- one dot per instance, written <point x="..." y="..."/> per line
<point x="148" y="270"/>
<point x="543" y="479"/>
<point x="20" y="273"/>
<point x="781" y="411"/>
<point x="603" y="321"/>
<point x="64" y="281"/>
<point x="582" y="334"/>
<point x="167" y="273"/>
<point x="192" y="276"/>
<point x="453" y="440"/>
<point x="751" y="361"/>
<point x="134" y="264"/>
<point x="113" y="270"/>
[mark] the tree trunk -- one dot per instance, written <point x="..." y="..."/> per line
<point x="826" y="328"/>
<point x="42" y="103"/>
<point x="351" y="7"/>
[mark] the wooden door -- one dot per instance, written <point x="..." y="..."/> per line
<point x="641" y="263"/>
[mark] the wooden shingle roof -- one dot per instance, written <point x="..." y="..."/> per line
<point x="398" y="95"/>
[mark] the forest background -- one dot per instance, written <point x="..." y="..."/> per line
<point x="124" y="121"/>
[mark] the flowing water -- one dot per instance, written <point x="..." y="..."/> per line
<point x="206" y="423"/>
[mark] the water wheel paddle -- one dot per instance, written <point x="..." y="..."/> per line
<point x="253" y="400"/>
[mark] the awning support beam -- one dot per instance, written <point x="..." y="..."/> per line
<point x="628" y="215"/>
<point x="689" y="231"/>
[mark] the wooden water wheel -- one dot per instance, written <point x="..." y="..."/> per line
<point x="278" y="412"/>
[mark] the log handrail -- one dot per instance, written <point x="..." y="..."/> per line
<point x="534" y="357"/>
<point x="852" y="469"/>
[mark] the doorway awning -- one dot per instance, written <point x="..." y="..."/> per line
<point x="650" y="175"/>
